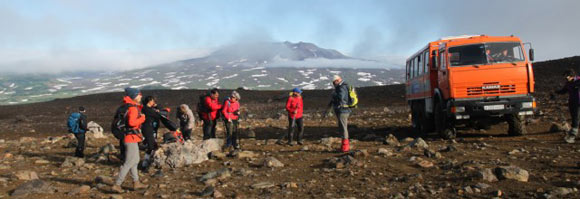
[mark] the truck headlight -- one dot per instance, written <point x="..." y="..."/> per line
<point x="458" y="109"/>
<point x="527" y="104"/>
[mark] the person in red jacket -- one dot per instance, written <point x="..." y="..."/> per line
<point x="209" y="115"/>
<point x="133" y="136"/>
<point x="231" y="112"/>
<point x="294" y="106"/>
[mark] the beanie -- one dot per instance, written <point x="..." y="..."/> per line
<point x="297" y="90"/>
<point x="132" y="92"/>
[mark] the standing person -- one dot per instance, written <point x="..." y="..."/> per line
<point x="134" y="118"/>
<point x="571" y="87"/>
<point x="231" y="112"/>
<point x="340" y="104"/>
<point x="186" y="121"/>
<point x="153" y="118"/>
<point x="209" y="115"/>
<point x="295" y="106"/>
<point x="77" y="124"/>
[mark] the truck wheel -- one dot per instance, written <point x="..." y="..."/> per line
<point x="446" y="131"/>
<point x="417" y="121"/>
<point x="516" y="125"/>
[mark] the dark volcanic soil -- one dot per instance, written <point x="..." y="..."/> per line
<point x="551" y="163"/>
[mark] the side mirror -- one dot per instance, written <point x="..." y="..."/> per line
<point x="531" y="54"/>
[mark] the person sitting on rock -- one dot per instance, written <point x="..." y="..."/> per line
<point x="133" y="136"/>
<point x="295" y="106"/>
<point x="571" y="87"/>
<point x="153" y="117"/>
<point x="231" y="113"/>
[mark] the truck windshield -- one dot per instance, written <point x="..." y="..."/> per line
<point x="487" y="53"/>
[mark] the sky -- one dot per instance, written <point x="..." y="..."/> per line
<point x="70" y="35"/>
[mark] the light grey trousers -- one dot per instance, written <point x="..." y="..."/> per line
<point x="343" y="124"/>
<point x="130" y="165"/>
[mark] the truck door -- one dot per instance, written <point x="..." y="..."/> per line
<point x="443" y="79"/>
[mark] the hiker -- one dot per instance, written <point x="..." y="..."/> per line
<point x="294" y="106"/>
<point x="77" y="124"/>
<point x="340" y="104"/>
<point x="186" y="121"/>
<point x="231" y="113"/>
<point x="134" y="118"/>
<point x="209" y="114"/>
<point x="571" y="87"/>
<point x="153" y="117"/>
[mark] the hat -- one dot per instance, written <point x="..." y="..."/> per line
<point x="132" y="92"/>
<point x="236" y="95"/>
<point x="81" y="108"/>
<point x="336" y="77"/>
<point x="297" y="90"/>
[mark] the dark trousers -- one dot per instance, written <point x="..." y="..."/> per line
<point x="574" y="113"/>
<point x="209" y="129"/>
<point x="122" y="149"/>
<point x="232" y="133"/>
<point x="80" y="150"/>
<point x="299" y="123"/>
<point x="150" y="141"/>
<point x="186" y="134"/>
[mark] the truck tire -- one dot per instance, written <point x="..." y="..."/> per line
<point x="516" y="125"/>
<point x="445" y="130"/>
<point x="418" y="120"/>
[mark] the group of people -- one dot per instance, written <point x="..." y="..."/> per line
<point x="141" y="117"/>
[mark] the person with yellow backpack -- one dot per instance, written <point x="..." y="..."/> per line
<point x="344" y="98"/>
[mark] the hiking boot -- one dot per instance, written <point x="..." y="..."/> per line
<point x="290" y="144"/>
<point x="573" y="131"/>
<point x="570" y="139"/>
<point x="139" y="185"/>
<point x="345" y="145"/>
<point x="300" y="143"/>
<point x="116" y="189"/>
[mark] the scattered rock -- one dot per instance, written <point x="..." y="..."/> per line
<point x="33" y="187"/>
<point x="560" y="127"/>
<point x="218" y="174"/>
<point x="340" y="162"/>
<point x="419" y="143"/>
<point x="73" y="161"/>
<point x="290" y="185"/>
<point x="385" y="152"/>
<point x="263" y="185"/>
<point x="563" y="191"/>
<point x="217" y="194"/>
<point x="482" y="185"/>
<point x="107" y="149"/>
<point x="116" y="196"/>
<point x="512" y="172"/>
<point x="449" y="148"/>
<point x="81" y="190"/>
<point x="360" y="153"/>
<point x="487" y="175"/>
<point x="26" y="175"/>
<point x="331" y="141"/>
<point x="41" y="161"/>
<point x="392" y="140"/>
<point x="425" y="164"/>
<point x="217" y="155"/>
<point x="245" y="155"/>
<point x="272" y="162"/>
<point x="208" y="191"/>
<point x="104" y="180"/>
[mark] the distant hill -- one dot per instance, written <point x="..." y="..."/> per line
<point x="253" y="66"/>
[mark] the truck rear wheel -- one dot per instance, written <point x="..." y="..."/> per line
<point x="418" y="120"/>
<point x="516" y="125"/>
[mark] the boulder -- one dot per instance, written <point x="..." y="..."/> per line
<point x="175" y="155"/>
<point x="95" y="130"/>
<point x="512" y="172"/>
<point x="33" y="187"/>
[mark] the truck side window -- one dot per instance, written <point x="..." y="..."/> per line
<point x="442" y="63"/>
<point x="426" y="61"/>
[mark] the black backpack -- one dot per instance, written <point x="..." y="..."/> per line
<point x="119" y="124"/>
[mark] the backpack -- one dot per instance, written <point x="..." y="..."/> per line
<point x="201" y="107"/>
<point x="118" y="126"/>
<point x="352" y="97"/>
<point x="73" y="123"/>
<point x="173" y="136"/>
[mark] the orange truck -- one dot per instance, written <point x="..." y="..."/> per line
<point x="471" y="81"/>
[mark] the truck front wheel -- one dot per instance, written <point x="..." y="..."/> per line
<point x="516" y="125"/>
<point x="443" y="128"/>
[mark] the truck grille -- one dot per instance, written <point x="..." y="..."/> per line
<point x="491" y="88"/>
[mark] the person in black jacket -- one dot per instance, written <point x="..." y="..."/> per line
<point x="339" y="103"/>
<point x="571" y="87"/>
<point x="153" y="117"/>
